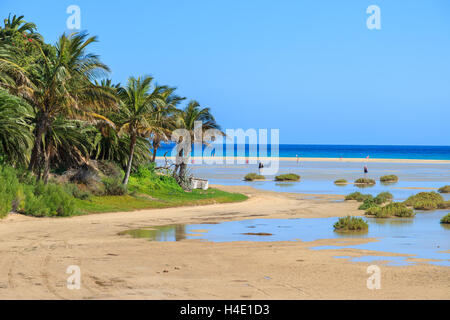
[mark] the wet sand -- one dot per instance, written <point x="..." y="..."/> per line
<point x="35" y="254"/>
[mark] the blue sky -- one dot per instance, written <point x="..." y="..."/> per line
<point x="309" y="68"/>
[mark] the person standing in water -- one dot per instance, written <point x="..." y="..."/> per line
<point x="366" y="169"/>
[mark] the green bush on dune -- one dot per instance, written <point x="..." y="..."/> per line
<point x="365" y="181"/>
<point x="351" y="224"/>
<point x="395" y="209"/>
<point x="369" y="201"/>
<point x="48" y="200"/>
<point x="425" y="200"/>
<point x="444" y="205"/>
<point x="444" y="189"/>
<point x="288" y="177"/>
<point x="425" y="205"/>
<point x="389" y="178"/>
<point x="341" y="181"/>
<point x="358" y="196"/>
<point x="446" y="219"/>
<point x="383" y="197"/>
<point x="253" y="176"/>
<point x="9" y="188"/>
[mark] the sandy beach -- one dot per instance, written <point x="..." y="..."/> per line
<point x="36" y="253"/>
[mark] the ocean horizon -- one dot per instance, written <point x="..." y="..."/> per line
<point x="338" y="151"/>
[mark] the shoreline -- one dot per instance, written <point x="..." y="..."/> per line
<point x="254" y="160"/>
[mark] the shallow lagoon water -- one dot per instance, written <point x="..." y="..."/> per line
<point x="319" y="177"/>
<point x="423" y="236"/>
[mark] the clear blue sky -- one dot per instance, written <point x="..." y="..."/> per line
<point x="310" y="68"/>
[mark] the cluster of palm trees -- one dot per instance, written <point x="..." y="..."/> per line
<point x="58" y="109"/>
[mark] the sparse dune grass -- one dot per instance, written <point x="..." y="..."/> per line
<point x="351" y="224"/>
<point x="365" y="181"/>
<point x="254" y="176"/>
<point x="389" y="178"/>
<point x="444" y="189"/>
<point x="288" y="177"/>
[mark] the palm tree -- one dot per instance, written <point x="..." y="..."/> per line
<point x="186" y="119"/>
<point x="67" y="143"/>
<point x="139" y="102"/>
<point x="62" y="85"/>
<point x="15" y="129"/>
<point x="165" y="117"/>
<point x="17" y="25"/>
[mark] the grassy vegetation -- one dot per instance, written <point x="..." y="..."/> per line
<point x="358" y="196"/>
<point x="370" y="202"/>
<point x="444" y="189"/>
<point x="147" y="189"/>
<point x="395" y="209"/>
<point x="444" y="205"/>
<point x="446" y="219"/>
<point x="288" y="177"/>
<point x="389" y="178"/>
<point x="253" y="176"/>
<point x="341" y="181"/>
<point x="351" y="224"/>
<point x="383" y="197"/>
<point x="366" y="181"/>
<point x="425" y="201"/>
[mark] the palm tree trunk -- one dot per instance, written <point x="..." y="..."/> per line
<point x="36" y="154"/>
<point x="46" y="164"/>
<point x="130" y="160"/>
<point x="155" y="149"/>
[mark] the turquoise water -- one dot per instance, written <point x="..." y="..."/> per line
<point x="422" y="236"/>
<point x="346" y="151"/>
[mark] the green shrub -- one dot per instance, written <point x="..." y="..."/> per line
<point x="444" y="189"/>
<point x="365" y="181"/>
<point x="48" y="200"/>
<point x="424" y="197"/>
<point x="389" y="178"/>
<point x="395" y="209"/>
<point x="109" y="168"/>
<point x="383" y="197"/>
<point x="114" y="186"/>
<point x="425" y="205"/>
<point x="368" y="203"/>
<point x="9" y="187"/>
<point x="253" y="176"/>
<point x="288" y="177"/>
<point x="340" y="181"/>
<point x="358" y="196"/>
<point x="351" y="224"/>
<point x="77" y="192"/>
<point x="373" y="211"/>
<point x="446" y="219"/>
<point x="444" y="205"/>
